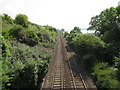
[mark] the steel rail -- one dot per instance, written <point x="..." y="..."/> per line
<point x="85" y="86"/>
<point x="71" y="72"/>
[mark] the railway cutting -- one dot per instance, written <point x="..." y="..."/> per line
<point x="63" y="72"/>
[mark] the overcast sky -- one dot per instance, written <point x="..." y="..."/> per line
<point x="57" y="13"/>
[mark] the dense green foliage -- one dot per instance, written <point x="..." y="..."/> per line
<point x="27" y="49"/>
<point x="105" y="76"/>
<point x="101" y="51"/>
<point x="107" y="24"/>
<point x="5" y="55"/>
<point x="88" y="43"/>
<point x="21" y="19"/>
<point x="76" y="30"/>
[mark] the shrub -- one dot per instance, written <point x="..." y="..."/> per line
<point x="24" y="66"/>
<point x="7" y="18"/>
<point x="5" y="57"/>
<point x="105" y="76"/>
<point x="6" y="26"/>
<point x="87" y="44"/>
<point x="50" y="28"/>
<point x="27" y="66"/>
<point x="29" y="37"/>
<point x="15" y="31"/>
<point x="21" y="19"/>
<point x="24" y="36"/>
<point x="117" y="65"/>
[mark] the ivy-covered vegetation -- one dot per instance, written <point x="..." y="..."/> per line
<point x="27" y="49"/>
<point x="100" y="51"/>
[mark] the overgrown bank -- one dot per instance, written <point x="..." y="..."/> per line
<point x="27" y="49"/>
<point x="100" y="51"/>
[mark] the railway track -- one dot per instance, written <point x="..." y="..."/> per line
<point x="55" y="76"/>
<point x="63" y="71"/>
<point x="76" y="80"/>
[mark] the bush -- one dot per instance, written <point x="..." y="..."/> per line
<point x="7" y="18"/>
<point x="5" y="57"/>
<point x="105" y="76"/>
<point x="24" y="36"/>
<point x="27" y="66"/>
<point x="28" y="73"/>
<point x="29" y="37"/>
<point x="15" y="31"/>
<point x="51" y="28"/>
<point x="6" y="26"/>
<point x="88" y="44"/>
<point x="117" y="65"/>
<point x="21" y="19"/>
<point x="24" y="65"/>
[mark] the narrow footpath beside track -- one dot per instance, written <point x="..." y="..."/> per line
<point x="63" y="71"/>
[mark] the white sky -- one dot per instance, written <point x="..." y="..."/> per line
<point x="57" y="13"/>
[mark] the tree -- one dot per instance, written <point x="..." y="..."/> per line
<point x="108" y="24"/>
<point x="105" y="21"/>
<point x="21" y="19"/>
<point x="8" y="18"/>
<point x="87" y="44"/>
<point x="62" y="30"/>
<point x="76" y="30"/>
